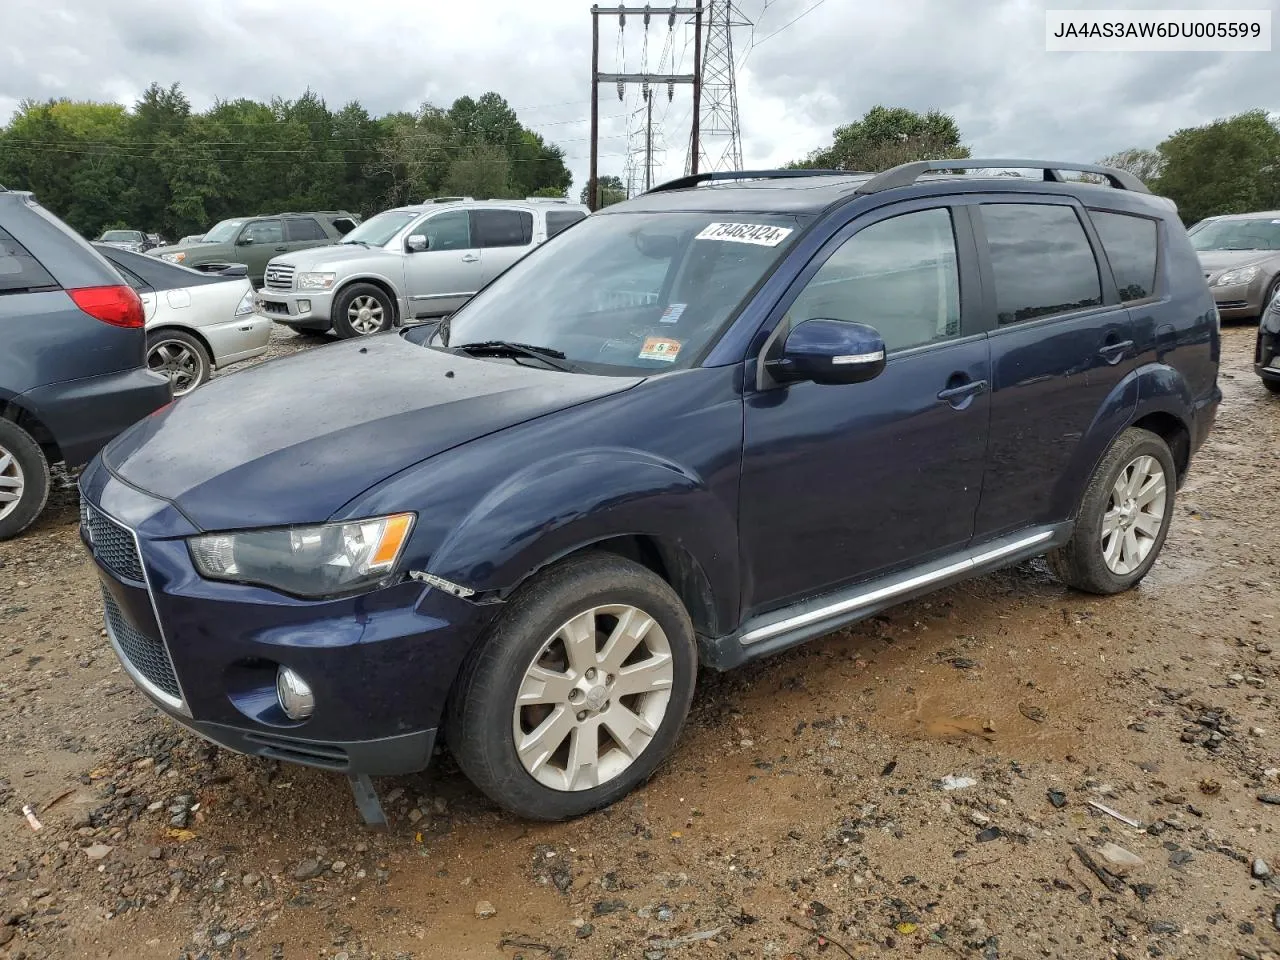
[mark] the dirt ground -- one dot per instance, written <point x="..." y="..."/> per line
<point x="804" y="813"/>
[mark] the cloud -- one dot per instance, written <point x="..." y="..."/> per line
<point x="812" y="68"/>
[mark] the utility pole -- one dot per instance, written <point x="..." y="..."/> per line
<point x="716" y="116"/>
<point x="648" y="142"/>
<point x="670" y="79"/>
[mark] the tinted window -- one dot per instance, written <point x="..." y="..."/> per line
<point x="1041" y="259"/>
<point x="446" y="231"/>
<point x="899" y="275"/>
<point x="1130" y="245"/>
<point x="560" y="220"/>
<point x="503" y="228"/>
<point x="19" y="271"/>
<point x="263" y="231"/>
<point x="305" y="229"/>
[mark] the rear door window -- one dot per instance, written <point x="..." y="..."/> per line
<point x="503" y="228"/>
<point x="304" y="228"/>
<point x="560" y="220"/>
<point x="1041" y="259"/>
<point x="20" y="272"/>
<point x="263" y="231"/>
<point x="1131" y="245"/>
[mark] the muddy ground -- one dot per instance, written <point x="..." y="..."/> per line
<point x="804" y="813"/>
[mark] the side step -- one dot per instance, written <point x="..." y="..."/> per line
<point x="779" y="629"/>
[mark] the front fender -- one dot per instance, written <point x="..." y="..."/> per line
<point x="561" y="504"/>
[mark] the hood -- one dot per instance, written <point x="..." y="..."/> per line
<point x="333" y="255"/>
<point x="1215" y="261"/>
<point x="292" y="440"/>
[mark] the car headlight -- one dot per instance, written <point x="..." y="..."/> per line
<point x="316" y="281"/>
<point x="1238" y="275"/>
<point x="174" y="257"/>
<point x="319" y="561"/>
<point x="246" y="306"/>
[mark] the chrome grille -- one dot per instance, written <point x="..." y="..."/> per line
<point x="111" y="543"/>
<point x="147" y="656"/>
<point x="279" y="276"/>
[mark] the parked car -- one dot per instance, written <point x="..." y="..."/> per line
<point x="134" y="240"/>
<point x="1266" y="359"/>
<point x="196" y="322"/>
<point x="1241" y="259"/>
<point x="71" y="366"/>
<point x="408" y="264"/>
<point x="255" y="240"/>
<point x="528" y="525"/>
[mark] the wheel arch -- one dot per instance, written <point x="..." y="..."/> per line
<point x="14" y="411"/>
<point x="382" y="283"/>
<point x="189" y="331"/>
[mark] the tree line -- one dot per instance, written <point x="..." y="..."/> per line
<point x="165" y="168"/>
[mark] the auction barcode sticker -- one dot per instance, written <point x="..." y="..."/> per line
<point x="757" y="233"/>
<point x="1172" y="31"/>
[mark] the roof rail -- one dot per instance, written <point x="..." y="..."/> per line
<point x="694" y="179"/>
<point x="546" y="199"/>
<point x="449" y="200"/>
<point x="906" y="174"/>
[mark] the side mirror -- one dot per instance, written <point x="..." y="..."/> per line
<point x="829" y="351"/>
<point x="244" y="242"/>
<point x="417" y="243"/>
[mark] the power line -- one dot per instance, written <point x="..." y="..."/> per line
<point x="770" y="36"/>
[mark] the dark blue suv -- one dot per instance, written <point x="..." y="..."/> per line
<point x="697" y="428"/>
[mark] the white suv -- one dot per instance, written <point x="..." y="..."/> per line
<point x="410" y="263"/>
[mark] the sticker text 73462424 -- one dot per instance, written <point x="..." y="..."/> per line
<point x="761" y="234"/>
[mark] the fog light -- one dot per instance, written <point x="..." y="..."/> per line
<point x="296" y="699"/>
<point x="304" y="306"/>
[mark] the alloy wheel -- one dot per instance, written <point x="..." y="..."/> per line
<point x="365" y="315"/>
<point x="1134" y="516"/>
<point x="593" y="698"/>
<point x="179" y="363"/>
<point x="12" y="483"/>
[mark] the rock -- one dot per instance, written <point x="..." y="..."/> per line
<point x="6" y="934"/>
<point x="989" y="834"/>
<point x="415" y="815"/>
<point x="952" y="782"/>
<point x="584" y="931"/>
<point x="485" y="910"/>
<point x="1163" y="927"/>
<point x="1058" y="799"/>
<point x="307" y="870"/>
<point x="338" y="866"/>
<point x="155" y="853"/>
<point x="1119" y="861"/>
<point x="97" y="851"/>
<point x="222" y="939"/>
<point x="1270" y="798"/>
<point x="1260" y="869"/>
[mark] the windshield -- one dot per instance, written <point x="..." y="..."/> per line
<point x="378" y="230"/>
<point x="121" y="236"/>
<point x="629" y="293"/>
<point x="224" y="231"/>
<point x="1259" y="234"/>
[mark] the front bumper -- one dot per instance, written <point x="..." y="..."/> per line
<point x="240" y="339"/>
<point x="302" y="311"/>
<point x="1241" y="301"/>
<point x="380" y="665"/>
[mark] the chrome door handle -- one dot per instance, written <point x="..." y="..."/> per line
<point x="470" y="258"/>
<point x="1114" y="352"/>
<point x="964" y="390"/>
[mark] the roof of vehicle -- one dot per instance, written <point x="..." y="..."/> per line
<point x="1257" y="215"/>
<point x="812" y="191"/>
<point x="530" y="204"/>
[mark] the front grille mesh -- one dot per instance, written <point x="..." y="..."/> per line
<point x="111" y="543"/>
<point x="147" y="656"/>
<point x="279" y="276"/>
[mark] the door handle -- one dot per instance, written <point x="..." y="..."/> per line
<point x="281" y="249"/>
<point x="470" y="257"/>
<point x="1114" y="352"/>
<point x="964" y="390"/>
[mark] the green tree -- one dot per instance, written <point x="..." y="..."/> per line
<point x="609" y="190"/>
<point x="1143" y="164"/>
<point x="482" y="171"/>
<point x="886" y="137"/>
<point x="1228" y="166"/>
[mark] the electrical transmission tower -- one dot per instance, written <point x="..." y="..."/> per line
<point x="718" y="145"/>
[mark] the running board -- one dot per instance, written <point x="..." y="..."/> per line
<point x="767" y="634"/>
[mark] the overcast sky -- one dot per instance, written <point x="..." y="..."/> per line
<point x="981" y="60"/>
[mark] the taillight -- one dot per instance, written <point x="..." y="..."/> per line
<point x="117" y="305"/>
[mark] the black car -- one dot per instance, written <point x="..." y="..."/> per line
<point x="72" y="367"/>
<point x="1266" y="359"/>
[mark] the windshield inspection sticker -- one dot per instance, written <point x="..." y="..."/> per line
<point x="673" y="313"/>
<point x="660" y="348"/>
<point x="757" y="233"/>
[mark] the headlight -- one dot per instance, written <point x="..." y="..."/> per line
<point x="246" y="306"/>
<point x="174" y="257"/>
<point x="316" y="281"/>
<point x="320" y="561"/>
<point x="1238" y="275"/>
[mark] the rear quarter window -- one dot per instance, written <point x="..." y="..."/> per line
<point x="1131" y="244"/>
<point x="20" y="272"/>
<point x="560" y="220"/>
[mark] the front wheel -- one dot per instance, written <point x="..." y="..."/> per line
<point x="1272" y="385"/>
<point x="1123" y="518"/>
<point x="578" y="692"/>
<point x="362" y="309"/>
<point x="180" y="357"/>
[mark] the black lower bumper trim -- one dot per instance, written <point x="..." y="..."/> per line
<point x="387" y="756"/>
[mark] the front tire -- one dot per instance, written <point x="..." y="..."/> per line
<point x="579" y="691"/>
<point x="24" y="479"/>
<point x="181" y="357"/>
<point x="1124" y="517"/>
<point x="362" y="310"/>
<point x="1272" y="385"/>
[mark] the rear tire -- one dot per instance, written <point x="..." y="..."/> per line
<point x="24" y="479"/>
<point x="1124" y="517"/>
<point x="579" y="690"/>
<point x="362" y="310"/>
<point x="181" y="357"/>
<point x="1272" y="385"/>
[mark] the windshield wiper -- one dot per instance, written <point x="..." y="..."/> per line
<point x="506" y="348"/>
<point x="363" y="243"/>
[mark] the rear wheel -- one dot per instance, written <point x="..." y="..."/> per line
<point x="24" y="479"/>
<point x="1123" y="518"/>
<point x="181" y="357"/>
<point x="362" y="309"/>
<point x="579" y="691"/>
<point x="1272" y="385"/>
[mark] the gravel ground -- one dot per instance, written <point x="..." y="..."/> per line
<point x="918" y="785"/>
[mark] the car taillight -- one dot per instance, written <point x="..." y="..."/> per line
<point x="117" y="305"/>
